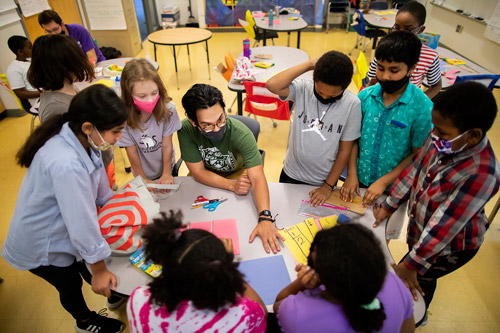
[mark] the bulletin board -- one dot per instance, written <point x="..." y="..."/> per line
<point x="105" y="15"/>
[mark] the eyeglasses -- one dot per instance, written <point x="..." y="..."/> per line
<point x="221" y="122"/>
<point x="54" y="31"/>
<point x="397" y="28"/>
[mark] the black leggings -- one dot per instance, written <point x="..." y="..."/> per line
<point x="444" y="265"/>
<point x="68" y="282"/>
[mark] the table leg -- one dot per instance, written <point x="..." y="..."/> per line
<point x="154" y="44"/>
<point x="239" y="96"/>
<point x="288" y="42"/>
<point x="189" y="57"/>
<point x="208" y="60"/>
<point x="298" y="39"/>
<point x="176" y="72"/>
<point x="374" y="45"/>
<point x="264" y="36"/>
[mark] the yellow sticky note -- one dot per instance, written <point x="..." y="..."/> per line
<point x="107" y="83"/>
<point x="298" y="238"/>
<point x="328" y="222"/>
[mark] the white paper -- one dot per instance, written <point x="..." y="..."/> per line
<point x="32" y="7"/>
<point x="105" y="15"/>
<point x="492" y="31"/>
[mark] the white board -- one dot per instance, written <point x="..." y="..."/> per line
<point x="105" y="15"/>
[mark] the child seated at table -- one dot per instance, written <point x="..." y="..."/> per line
<point x="411" y="17"/>
<point x="199" y="287"/>
<point x="18" y="69"/>
<point x="447" y="186"/>
<point x="396" y="120"/>
<point x="152" y="121"/>
<point x="345" y="288"/>
<point x="327" y="120"/>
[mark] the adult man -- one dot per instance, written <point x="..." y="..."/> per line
<point x="213" y="146"/>
<point x="52" y="23"/>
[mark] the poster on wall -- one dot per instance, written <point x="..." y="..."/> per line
<point x="32" y="7"/>
<point x="106" y="15"/>
<point x="492" y="31"/>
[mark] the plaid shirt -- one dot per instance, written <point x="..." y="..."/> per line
<point x="447" y="196"/>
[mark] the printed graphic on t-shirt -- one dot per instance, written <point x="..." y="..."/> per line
<point x="149" y="144"/>
<point x="217" y="161"/>
<point x="318" y="126"/>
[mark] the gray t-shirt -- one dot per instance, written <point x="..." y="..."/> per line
<point x="53" y="103"/>
<point x="312" y="149"/>
<point x="148" y="141"/>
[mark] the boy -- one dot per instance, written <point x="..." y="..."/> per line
<point x="452" y="178"/>
<point x="327" y="120"/>
<point x="213" y="146"/>
<point x="52" y="23"/>
<point x="16" y="72"/>
<point x="411" y="17"/>
<point x="396" y="120"/>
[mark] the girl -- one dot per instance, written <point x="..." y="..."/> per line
<point x="57" y="62"/>
<point x="200" y="288"/>
<point x="54" y="226"/>
<point x="152" y="121"/>
<point x="345" y="288"/>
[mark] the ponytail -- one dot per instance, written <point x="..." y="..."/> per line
<point x="351" y="265"/>
<point x="35" y="141"/>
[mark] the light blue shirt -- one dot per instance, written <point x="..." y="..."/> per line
<point x="389" y="134"/>
<point x="55" y="219"/>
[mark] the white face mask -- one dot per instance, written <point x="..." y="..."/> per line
<point x="444" y="146"/>
<point x="104" y="145"/>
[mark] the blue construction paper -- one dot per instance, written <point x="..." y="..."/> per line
<point x="268" y="276"/>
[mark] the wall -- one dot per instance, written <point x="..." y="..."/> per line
<point x="471" y="42"/>
<point x="198" y="8"/>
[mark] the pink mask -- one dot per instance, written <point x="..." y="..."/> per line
<point x="146" y="106"/>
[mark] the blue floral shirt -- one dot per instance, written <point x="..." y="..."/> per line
<point x="389" y="134"/>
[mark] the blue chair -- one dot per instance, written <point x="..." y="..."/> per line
<point x="364" y="34"/>
<point x="489" y="80"/>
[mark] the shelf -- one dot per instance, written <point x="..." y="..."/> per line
<point x="454" y="10"/>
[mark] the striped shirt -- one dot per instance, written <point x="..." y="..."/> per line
<point x="447" y="195"/>
<point x="428" y="66"/>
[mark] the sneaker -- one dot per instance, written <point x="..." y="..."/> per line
<point x="99" y="324"/>
<point x="424" y="320"/>
<point x="114" y="302"/>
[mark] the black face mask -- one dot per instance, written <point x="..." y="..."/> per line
<point x="214" y="136"/>
<point x="391" y="86"/>
<point x="327" y="100"/>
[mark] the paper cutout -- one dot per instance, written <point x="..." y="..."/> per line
<point x="355" y="206"/>
<point x="385" y="12"/>
<point x="268" y="276"/>
<point x="227" y="229"/>
<point x="107" y="83"/>
<point x="275" y="21"/>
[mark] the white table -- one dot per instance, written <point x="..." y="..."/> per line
<point x="285" y="25"/>
<point x="285" y="201"/>
<point x="377" y="21"/>
<point x="283" y="58"/>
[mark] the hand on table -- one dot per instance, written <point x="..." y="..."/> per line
<point x="350" y="188"/>
<point x="150" y="189"/>
<point x="269" y="236"/>
<point x="307" y="276"/>
<point x="380" y="215"/>
<point x="228" y="244"/>
<point x="409" y="278"/>
<point x="101" y="283"/>
<point x="242" y="185"/>
<point x="318" y="196"/>
<point x="165" y="179"/>
<point x="373" y="192"/>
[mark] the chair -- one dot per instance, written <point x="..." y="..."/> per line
<point x="252" y="124"/>
<point x="489" y="80"/>
<point x="338" y="6"/>
<point x="366" y="35"/>
<point x="379" y="5"/>
<point x="226" y="72"/>
<point x="22" y="103"/>
<point x="399" y="3"/>
<point x="253" y="32"/>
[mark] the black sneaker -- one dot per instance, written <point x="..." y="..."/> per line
<point x="114" y="302"/>
<point x="99" y="324"/>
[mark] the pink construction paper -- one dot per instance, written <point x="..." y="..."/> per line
<point x="274" y="21"/>
<point x="227" y="229"/>
<point x="201" y="225"/>
<point x="259" y="14"/>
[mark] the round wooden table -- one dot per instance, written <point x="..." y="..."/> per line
<point x="178" y="37"/>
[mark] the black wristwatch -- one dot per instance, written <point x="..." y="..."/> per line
<point x="265" y="215"/>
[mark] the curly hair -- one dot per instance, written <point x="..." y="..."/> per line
<point x="334" y="69"/>
<point x="196" y="266"/>
<point x="351" y="265"/>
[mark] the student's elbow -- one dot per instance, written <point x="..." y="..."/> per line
<point x="271" y="85"/>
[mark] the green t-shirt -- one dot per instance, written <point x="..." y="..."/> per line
<point x="237" y="149"/>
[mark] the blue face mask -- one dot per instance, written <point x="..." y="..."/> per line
<point x="444" y="146"/>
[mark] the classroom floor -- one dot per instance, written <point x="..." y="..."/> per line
<point x="466" y="301"/>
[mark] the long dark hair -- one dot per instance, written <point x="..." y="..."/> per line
<point x="351" y="265"/>
<point x="96" y="104"/>
<point x="56" y="58"/>
<point x="196" y="266"/>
